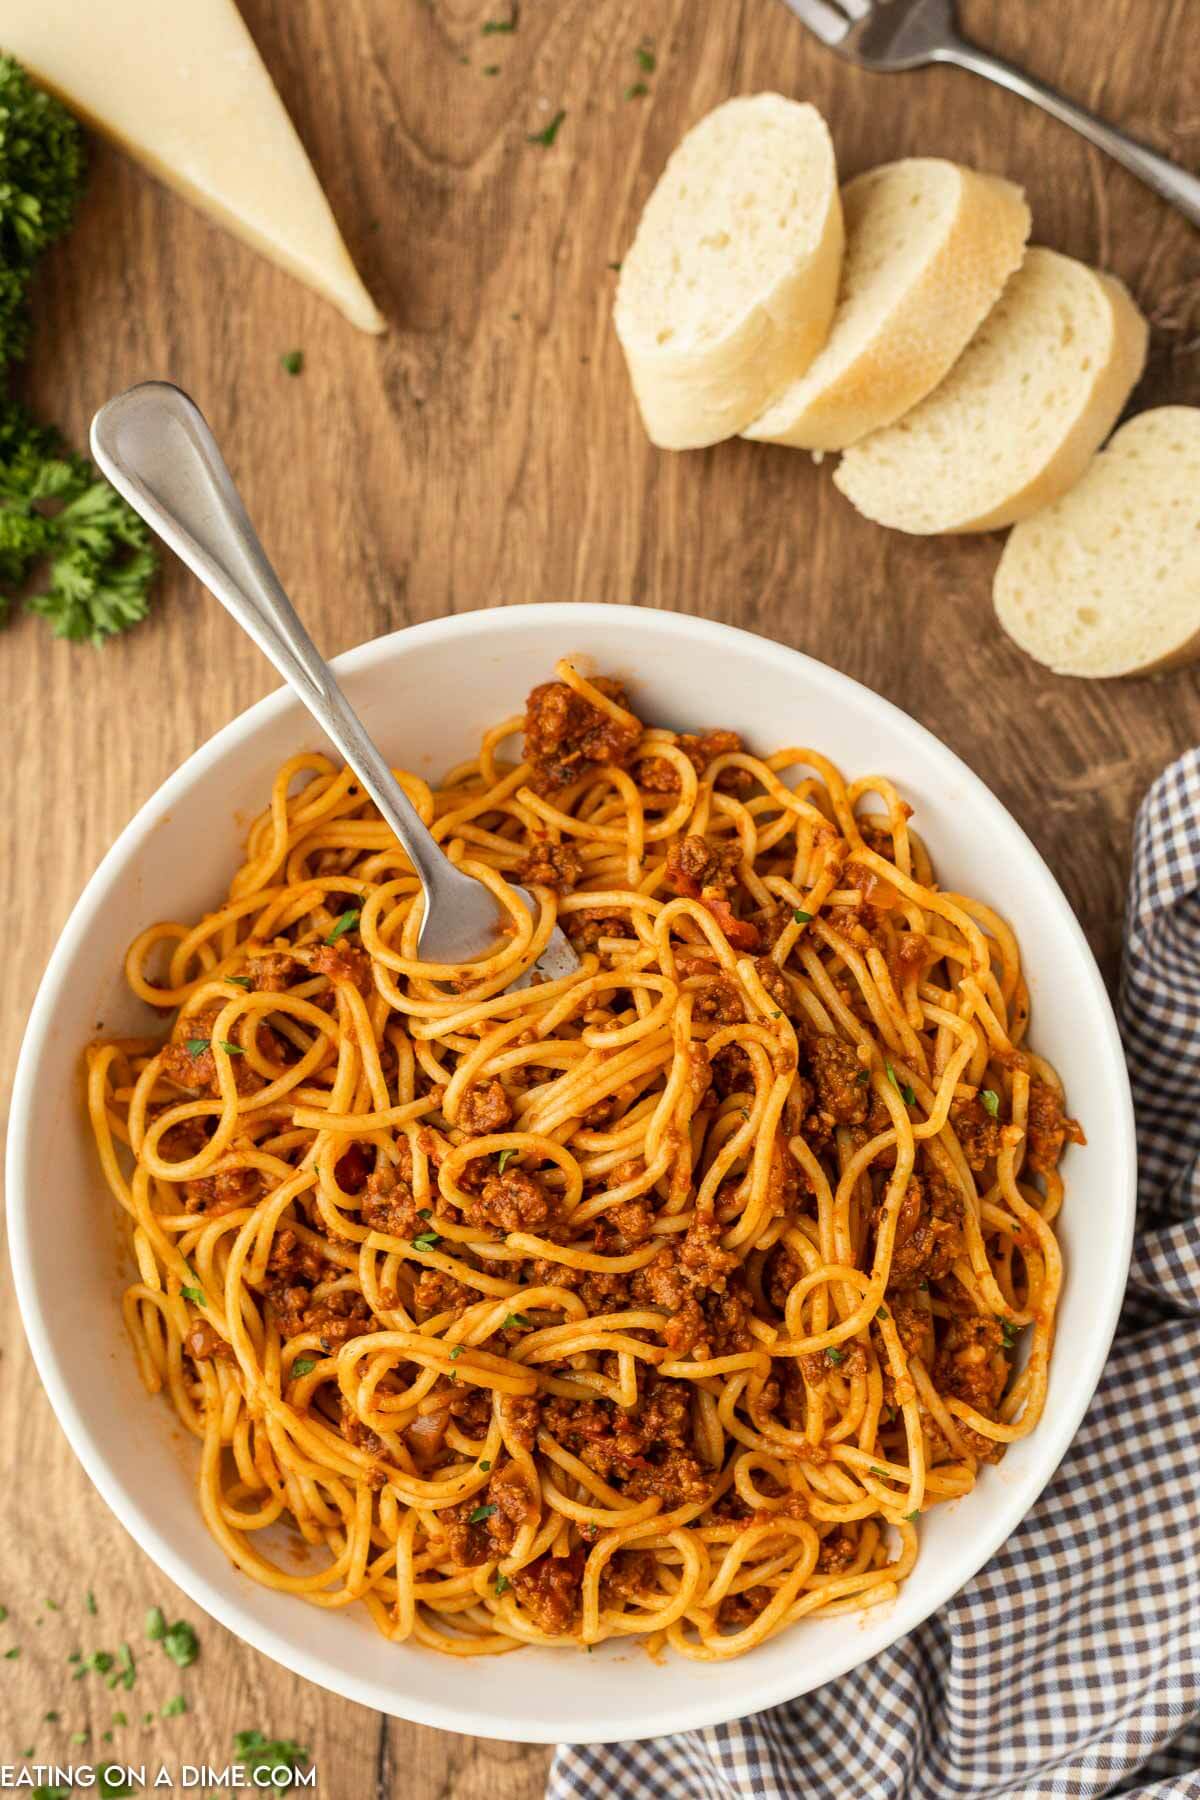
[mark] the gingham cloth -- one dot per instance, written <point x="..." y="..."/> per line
<point x="1071" y="1664"/>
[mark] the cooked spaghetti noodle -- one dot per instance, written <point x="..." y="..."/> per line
<point x="658" y="1301"/>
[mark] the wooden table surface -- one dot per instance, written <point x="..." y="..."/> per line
<point x="487" y="450"/>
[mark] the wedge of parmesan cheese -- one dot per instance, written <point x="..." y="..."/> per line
<point x="181" y="87"/>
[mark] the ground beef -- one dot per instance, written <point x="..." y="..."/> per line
<point x="203" y="1343"/>
<point x="484" y="1108"/>
<point x="197" y="1071"/>
<point x="1048" y="1128"/>
<point x="704" y="1262"/>
<point x="716" y="1326"/>
<point x="633" y="1219"/>
<point x="929" y="1238"/>
<point x="691" y="866"/>
<point x="913" y="1322"/>
<point x="343" y="965"/>
<point x="778" y="987"/>
<point x="736" y="1611"/>
<point x="436" y="1292"/>
<point x="585" y="929"/>
<point x="556" y="866"/>
<point x="835" y="1072"/>
<point x="355" y="1432"/>
<point x="548" y="1589"/>
<point x="470" y="1407"/>
<point x="660" y="1283"/>
<point x="565" y="734"/>
<point x="658" y="776"/>
<point x="971" y="1365"/>
<point x="976" y="1131"/>
<point x="720" y="1001"/>
<point x="838" y="1551"/>
<point x="646" y="1450"/>
<point x="222" y="1193"/>
<point x="293" y="1269"/>
<point x="513" y="1201"/>
<point x="522" y="1417"/>
<point x="390" y="1206"/>
<point x="179" y="1143"/>
<point x="783" y="1272"/>
<point x="273" y="972"/>
<point x="628" y="1575"/>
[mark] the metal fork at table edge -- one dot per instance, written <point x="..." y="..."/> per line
<point x="153" y="444"/>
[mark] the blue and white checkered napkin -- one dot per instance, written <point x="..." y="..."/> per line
<point x="1070" y="1665"/>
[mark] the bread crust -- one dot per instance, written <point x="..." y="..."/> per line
<point x="940" y="312"/>
<point x="691" y="397"/>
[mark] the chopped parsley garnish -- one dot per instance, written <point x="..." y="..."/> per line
<point x="877" y="1471"/>
<point x="518" y="1319"/>
<point x="912" y="1517"/>
<point x="638" y="91"/>
<point x="484" y="1464"/>
<point x="835" y="1356"/>
<point x="862" y="1078"/>
<point x="126" y="1671"/>
<point x="51" y="1718"/>
<point x="423" y="1212"/>
<point x="1008" y="1332"/>
<point x="427" y="1240"/>
<point x="480" y="1514"/>
<point x="89" y="1602"/>
<point x="500" y="27"/>
<point x="547" y="135"/>
<point x="280" y="1757"/>
<point x="13" y="1654"/>
<point x="991" y="1101"/>
<point x="491" y="68"/>
<point x="292" y="361"/>
<point x="881" y="1312"/>
<point x="502" y="1583"/>
<point x="346" y="923"/>
<point x="902" y="1088"/>
<point x="456" y="1353"/>
<point x="53" y="1606"/>
<point x="304" y="1365"/>
<point x="503" y="1160"/>
<point x="175" y="1707"/>
<point x="181" y="1644"/>
<point x="196" y="1046"/>
<point x="120" y="1719"/>
<point x="156" y="1624"/>
<point x="3" y="1614"/>
<point x="646" y="59"/>
<point x="615" y="266"/>
<point x="242" y="981"/>
<point x="194" y="1294"/>
<point x="801" y="917"/>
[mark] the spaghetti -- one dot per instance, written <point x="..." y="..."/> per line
<point x="658" y="1301"/>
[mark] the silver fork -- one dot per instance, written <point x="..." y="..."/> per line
<point x="155" y="447"/>
<point x="907" y="34"/>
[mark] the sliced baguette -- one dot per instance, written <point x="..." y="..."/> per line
<point x="929" y="246"/>
<point x="728" y="289"/>
<point x="1107" y="580"/>
<point x="1019" y="416"/>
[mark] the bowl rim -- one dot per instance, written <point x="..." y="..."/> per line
<point x="707" y="1707"/>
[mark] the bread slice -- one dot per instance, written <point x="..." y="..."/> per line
<point x="727" y="291"/>
<point x="1107" y="580"/>
<point x="929" y="246"/>
<point x="1019" y="416"/>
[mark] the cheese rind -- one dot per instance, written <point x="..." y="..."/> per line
<point x="183" y="89"/>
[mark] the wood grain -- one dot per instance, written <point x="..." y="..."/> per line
<point x="485" y="451"/>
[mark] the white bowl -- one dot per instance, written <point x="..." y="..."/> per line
<point x="425" y="693"/>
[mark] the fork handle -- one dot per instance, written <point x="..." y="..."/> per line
<point x="1174" y="184"/>
<point x="155" y="447"/>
